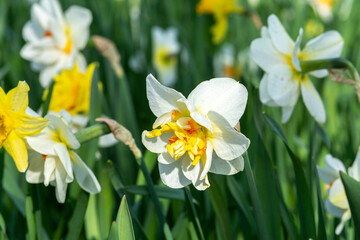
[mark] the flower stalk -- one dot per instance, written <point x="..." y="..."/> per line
<point x="92" y="132"/>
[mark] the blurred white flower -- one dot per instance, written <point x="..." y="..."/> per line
<point x="53" y="39"/>
<point x="165" y="54"/>
<point x="337" y="204"/>
<point x="52" y="159"/>
<point x="279" y="56"/>
<point x="196" y="135"/>
<point x="323" y="8"/>
<point x="224" y="62"/>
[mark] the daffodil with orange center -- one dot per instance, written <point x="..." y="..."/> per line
<point x="221" y="9"/>
<point x="15" y="124"/>
<point x="196" y="135"/>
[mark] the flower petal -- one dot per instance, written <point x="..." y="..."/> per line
<point x="165" y="158"/>
<point x="221" y="166"/>
<point x="286" y="113"/>
<point x="79" y="19"/>
<point x="333" y="210"/>
<point x="265" y="97"/>
<point x="264" y="54"/>
<point x="312" y="100"/>
<point x="49" y="169"/>
<point x="35" y="172"/>
<point x="61" y="183"/>
<point x="337" y="195"/>
<point x="227" y="143"/>
<point x="354" y="170"/>
<point x="161" y="99"/>
<point x="63" y="153"/>
<point x="16" y="147"/>
<point x="84" y="176"/>
<point x="193" y="172"/>
<point x="163" y="119"/>
<point x="295" y="59"/>
<point x="230" y="100"/>
<point x="172" y="175"/>
<point x="279" y="36"/>
<point x="345" y="217"/>
<point x="18" y="97"/>
<point x="156" y="144"/>
<point x="332" y="168"/>
<point x="202" y="120"/>
<point x="26" y="125"/>
<point x="208" y="162"/>
<point x="327" y="45"/>
<point x="42" y="143"/>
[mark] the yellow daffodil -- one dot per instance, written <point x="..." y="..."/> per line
<point x="220" y="9"/>
<point x="15" y="124"/>
<point x="71" y="91"/>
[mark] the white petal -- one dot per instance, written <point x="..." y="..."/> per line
<point x="282" y="87"/>
<point x="202" y="120"/>
<point x="107" y="140"/>
<point x="222" y="95"/>
<point x="53" y="8"/>
<point x="172" y="175"/>
<point x="208" y="162"/>
<point x="61" y="183"/>
<point x="333" y="210"/>
<point x="312" y="100"/>
<point x="165" y="158"/>
<point x="49" y="169"/>
<point x="168" y="75"/>
<point x="84" y="176"/>
<point x="332" y="168"/>
<point x="78" y="19"/>
<point x="265" y="97"/>
<point x="161" y="99"/>
<point x="156" y="144"/>
<point x="345" y="217"/>
<point x="193" y="173"/>
<point x="337" y="195"/>
<point x="163" y="119"/>
<point x="40" y="17"/>
<point x="354" y="170"/>
<point x="42" y="143"/>
<point x="226" y="141"/>
<point x="221" y="166"/>
<point x="295" y="59"/>
<point x="34" y="173"/>
<point x="279" y="36"/>
<point x="327" y="45"/>
<point x="64" y="156"/>
<point x="63" y="130"/>
<point x="264" y="32"/>
<point x="264" y="54"/>
<point x="286" y="113"/>
<point x="32" y="32"/>
<point x="47" y="74"/>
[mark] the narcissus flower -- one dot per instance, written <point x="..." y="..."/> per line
<point x="337" y="203"/>
<point x="15" y="124"/>
<point x="196" y="135"/>
<point x="53" y="159"/>
<point x="324" y="8"/>
<point x="165" y="51"/>
<point x="54" y="39"/>
<point x="279" y="56"/>
<point x="221" y="9"/>
<point x="226" y="64"/>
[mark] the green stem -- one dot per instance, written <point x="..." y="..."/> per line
<point x="92" y="132"/>
<point x="308" y="66"/>
<point x="194" y="213"/>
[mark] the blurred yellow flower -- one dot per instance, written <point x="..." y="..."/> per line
<point x="15" y="124"/>
<point x="313" y="28"/>
<point x="220" y="9"/>
<point x="72" y="90"/>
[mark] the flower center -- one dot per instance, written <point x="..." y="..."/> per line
<point x="188" y="137"/>
<point x="5" y="128"/>
<point x="164" y="58"/>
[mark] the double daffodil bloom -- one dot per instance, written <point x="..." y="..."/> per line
<point x="279" y="56"/>
<point x="165" y="54"/>
<point x="53" y="159"/>
<point x="15" y="124"/>
<point x="221" y="9"/>
<point x="196" y="135"/>
<point x="337" y="204"/>
<point x="54" y="39"/>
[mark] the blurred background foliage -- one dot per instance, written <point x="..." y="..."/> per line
<point x="226" y="210"/>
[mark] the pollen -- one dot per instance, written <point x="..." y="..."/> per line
<point x="188" y="137"/>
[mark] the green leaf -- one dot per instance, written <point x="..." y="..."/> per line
<point x="30" y="218"/>
<point x="123" y="221"/>
<point x="304" y="201"/>
<point x="194" y="216"/>
<point x="352" y="189"/>
<point x="78" y="216"/>
<point x="163" y="192"/>
<point x="92" y="225"/>
<point x="113" y="234"/>
<point x="46" y="103"/>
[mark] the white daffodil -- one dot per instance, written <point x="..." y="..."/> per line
<point x="323" y="8"/>
<point x="54" y="39"/>
<point x="224" y="62"/>
<point x="165" y="51"/>
<point x="279" y="56"/>
<point x="196" y="135"/>
<point x="337" y="203"/>
<point x="52" y="159"/>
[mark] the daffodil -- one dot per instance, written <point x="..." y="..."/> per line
<point x="225" y="64"/>
<point x="221" y="9"/>
<point x="323" y="8"/>
<point x="196" y="135"/>
<point x="16" y="124"/>
<point x="53" y="159"/>
<point x="165" y="51"/>
<point x="279" y="56"/>
<point x="54" y="39"/>
<point x="337" y="203"/>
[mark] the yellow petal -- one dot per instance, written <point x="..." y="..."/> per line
<point x="18" y="97"/>
<point x="15" y="146"/>
<point x="26" y="125"/>
<point x="2" y="94"/>
<point x="219" y="29"/>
